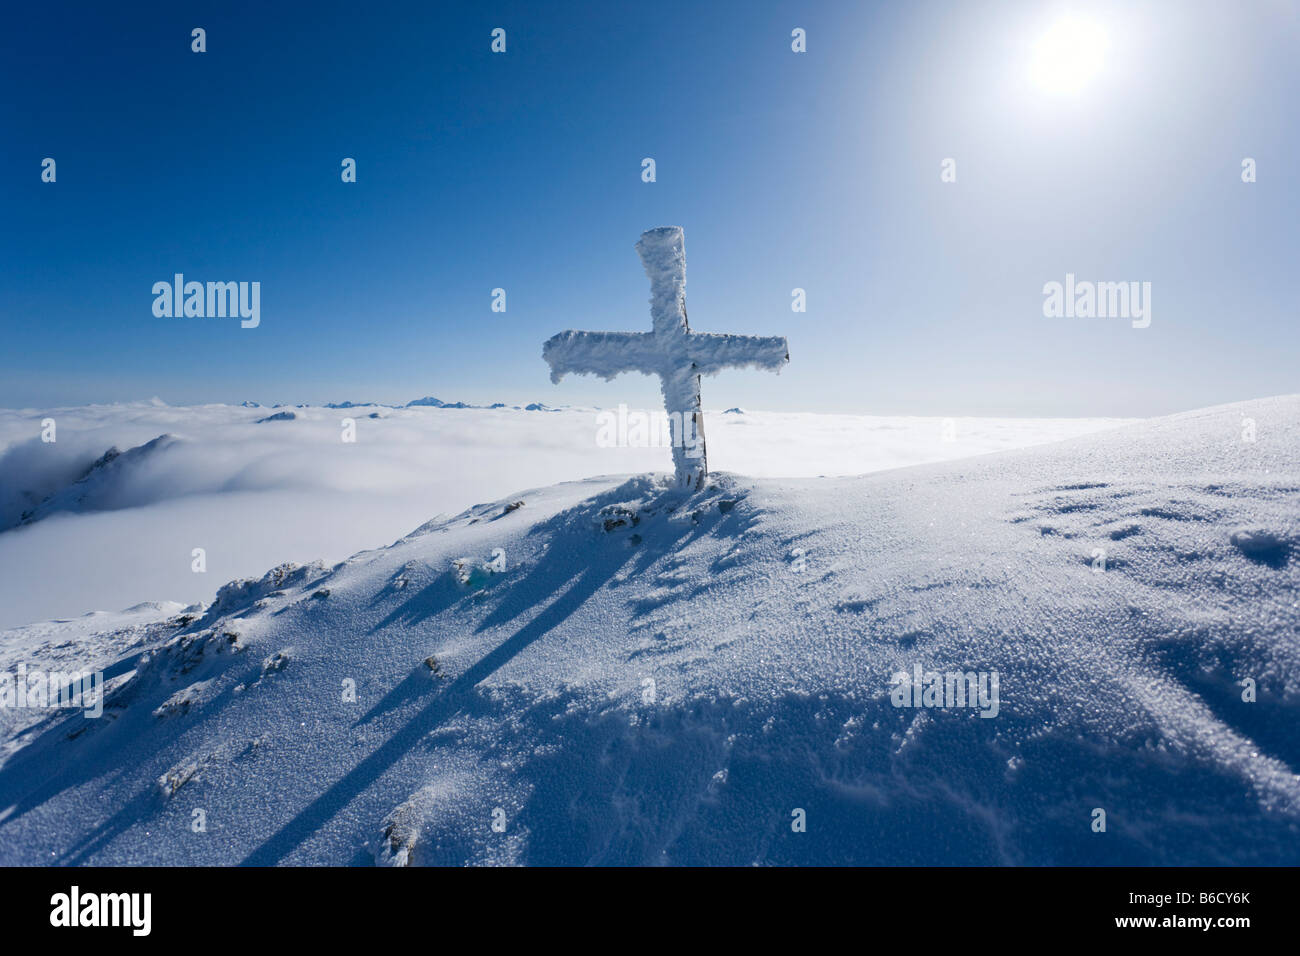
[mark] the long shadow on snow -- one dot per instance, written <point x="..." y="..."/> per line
<point x="716" y="781"/>
<point x="77" y="750"/>
<point x="570" y="547"/>
<point x="574" y="569"/>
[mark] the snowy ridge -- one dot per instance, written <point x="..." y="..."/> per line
<point x="500" y="661"/>
<point x="102" y="485"/>
<point x="250" y="487"/>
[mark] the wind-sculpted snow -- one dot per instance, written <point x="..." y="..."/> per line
<point x="643" y="676"/>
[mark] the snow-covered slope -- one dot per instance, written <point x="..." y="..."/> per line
<point x="611" y="673"/>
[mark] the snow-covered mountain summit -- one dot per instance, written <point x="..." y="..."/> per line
<point x="606" y="671"/>
<point x="250" y="486"/>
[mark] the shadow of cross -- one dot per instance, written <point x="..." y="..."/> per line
<point x="672" y="351"/>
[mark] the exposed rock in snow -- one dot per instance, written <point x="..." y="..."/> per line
<point x="181" y="701"/>
<point x="100" y="486"/>
<point x="277" y="661"/>
<point x="174" y="779"/>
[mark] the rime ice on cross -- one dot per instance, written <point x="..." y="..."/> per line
<point x="672" y="351"/>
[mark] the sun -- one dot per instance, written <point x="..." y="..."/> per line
<point x="1068" y="55"/>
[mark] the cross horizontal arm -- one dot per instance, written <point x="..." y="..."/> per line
<point x="601" y="353"/>
<point x="712" y="352"/>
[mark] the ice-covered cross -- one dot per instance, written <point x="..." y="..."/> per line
<point x="671" y="350"/>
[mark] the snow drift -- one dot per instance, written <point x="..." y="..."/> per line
<point x="609" y="672"/>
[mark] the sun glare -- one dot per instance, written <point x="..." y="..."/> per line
<point x="1068" y="56"/>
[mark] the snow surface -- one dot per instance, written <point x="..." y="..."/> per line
<point x="501" y="659"/>
<point x="254" y="490"/>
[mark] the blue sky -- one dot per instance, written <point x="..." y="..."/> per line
<point x="818" y="170"/>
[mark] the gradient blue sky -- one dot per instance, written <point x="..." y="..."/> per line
<point x="818" y="170"/>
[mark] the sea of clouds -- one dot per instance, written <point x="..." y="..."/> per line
<point x="254" y="493"/>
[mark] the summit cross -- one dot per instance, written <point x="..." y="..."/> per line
<point x="671" y="350"/>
